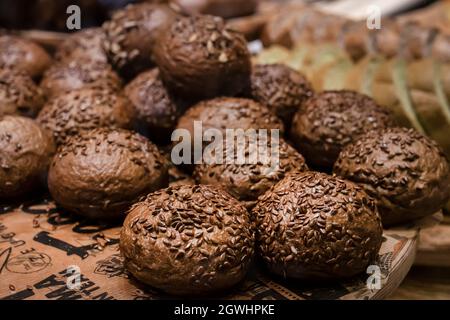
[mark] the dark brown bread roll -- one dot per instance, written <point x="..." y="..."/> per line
<point x="221" y="8"/>
<point x="84" y="44"/>
<point x="19" y="94"/>
<point x="199" y="58"/>
<point x="132" y="33"/>
<point x="282" y="89"/>
<point x="230" y="113"/>
<point x="157" y="111"/>
<point x="188" y="240"/>
<point x="247" y="181"/>
<point x="405" y="172"/>
<point x="23" y="55"/>
<point x="69" y="75"/>
<point x="100" y="173"/>
<point x="333" y="119"/>
<point x="85" y="109"/>
<point x="312" y="226"/>
<point x="25" y="153"/>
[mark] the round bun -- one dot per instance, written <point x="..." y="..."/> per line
<point x="132" y="33"/>
<point x="19" y="94"/>
<point x="331" y="120"/>
<point x="25" y="153"/>
<point x="222" y="8"/>
<point x="100" y="173"/>
<point x="85" y="109"/>
<point x="246" y="182"/>
<point x="313" y="226"/>
<point x="23" y="55"/>
<point x="229" y="113"/>
<point x="75" y="74"/>
<point x="188" y="240"/>
<point x="282" y="89"/>
<point x="84" y="44"/>
<point x="405" y="172"/>
<point x="157" y="112"/>
<point x="199" y="58"/>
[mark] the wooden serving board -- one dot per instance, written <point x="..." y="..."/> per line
<point x="39" y="243"/>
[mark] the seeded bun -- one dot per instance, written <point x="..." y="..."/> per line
<point x="221" y="8"/>
<point x="83" y="44"/>
<point x="405" y="172"/>
<point x="132" y="33"/>
<point x="331" y="120"/>
<point x="312" y="226"/>
<point x="230" y="113"/>
<point x="188" y="240"/>
<point x="23" y="55"/>
<point x="282" y="89"/>
<point x="85" y="109"/>
<point x="25" y="153"/>
<point x="157" y="111"/>
<point x="246" y="182"/>
<point x="199" y="58"/>
<point x="19" y="94"/>
<point x="76" y="74"/>
<point x="100" y="173"/>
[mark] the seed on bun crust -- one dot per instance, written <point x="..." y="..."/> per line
<point x="199" y="58"/>
<point x="23" y="55"/>
<point x="19" y="94"/>
<point x="69" y="75"/>
<point x="85" y="109"/>
<point x="131" y="35"/>
<point x="282" y="89"/>
<point x="244" y="177"/>
<point x="331" y="120"/>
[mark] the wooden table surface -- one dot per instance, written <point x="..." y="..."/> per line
<point x="430" y="277"/>
<point x="425" y="283"/>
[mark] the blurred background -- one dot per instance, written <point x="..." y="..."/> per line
<point x="51" y="14"/>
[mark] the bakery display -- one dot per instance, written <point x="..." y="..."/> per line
<point x="132" y="34"/>
<point x="188" y="240"/>
<point x="23" y="55"/>
<point x="19" y="94"/>
<point x="281" y="88"/>
<point x="247" y="180"/>
<point x="330" y="120"/>
<point x="312" y="226"/>
<point x="101" y="173"/>
<point x="69" y="75"/>
<point x="82" y="110"/>
<point x="405" y="172"/>
<point x="25" y="153"/>
<point x="83" y="44"/>
<point x="157" y="111"/>
<point x="200" y="58"/>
